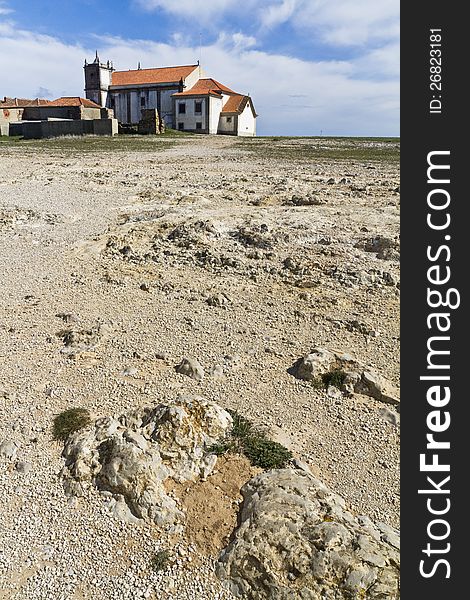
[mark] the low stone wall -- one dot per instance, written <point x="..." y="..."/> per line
<point x="42" y="113"/>
<point x="150" y="123"/>
<point x="47" y="129"/>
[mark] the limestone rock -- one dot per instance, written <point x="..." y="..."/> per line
<point x="357" y="377"/>
<point x="8" y="449"/>
<point x="132" y="455"/>
<point x="23" y="467"/>
<point x="218" y="300"/>
<point x="314" y="364"/>
<point x="192" y="368"/>
<point x="384" y="247"/>
<point x="297" y="540"/>
<point x="217" y="371"/>
<point x="390" y="416"/>
<point x="82" y="340"/>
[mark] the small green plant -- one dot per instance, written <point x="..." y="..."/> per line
<point x="221" y="447"/>
<point x="265" y="453"/>
<point x="241" y="427"/>
<point x="161" y="560"/>
<point x="318" y="383"/>
<point x="69" y="421"/>
<point x="336" y="378"/>
<point x="247" y="439"/>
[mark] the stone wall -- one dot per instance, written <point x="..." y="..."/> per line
<point x="150" y="123"/>
<point x="40" y="113"/>
<point x="46" y="129"/>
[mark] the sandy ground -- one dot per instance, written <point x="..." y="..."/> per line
<point x="243" y="259"/>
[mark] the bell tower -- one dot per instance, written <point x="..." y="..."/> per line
<point x="98" y="80"/>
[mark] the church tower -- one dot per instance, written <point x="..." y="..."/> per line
<point x="97" y="80"/>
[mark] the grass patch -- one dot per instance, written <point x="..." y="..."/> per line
<point x="69" y="421"/>
<point x="367" y="150"/>
<point x="249" y="440"/>
<point x="221" y="447"/>
<point x="8" y="140"/>
<point x="336" y="377"/>
<point x="242" y="428"/>
<point x="90" y="143"/>
<point x="160" y="560"/>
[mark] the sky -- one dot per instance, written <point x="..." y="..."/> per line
<point x="312" y="67"/>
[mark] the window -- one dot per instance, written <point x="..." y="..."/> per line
<point x="181" y="126"/>
<point x="198" y="108"/>
<point x="182" y="108"/>
<point x="229" y="119"/>
<point x="198" y="125"/>
<point x="113" y="102"/>
<point x="142" y="101"/>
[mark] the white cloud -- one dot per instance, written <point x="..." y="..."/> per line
<point x="347" y="22"/>
<point x="382" y="63"/>
<point x="336" y="22"/>
<point x="191" y="9"/>
<point x="30" y="61"/>
<point x="4" y="9"/>
<point x="292" y="96"/>
<point x="276" y="14"/>
<point x="237" y="41"/>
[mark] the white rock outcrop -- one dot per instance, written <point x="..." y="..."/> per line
<point x="297" y="541"/>
<point x="131" y="455"/>
<point x="358" y="379"/>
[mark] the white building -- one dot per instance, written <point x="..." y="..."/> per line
<point x="184" y="98"/>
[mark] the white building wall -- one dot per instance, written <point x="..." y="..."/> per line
<point x="215" y="108"/>
<point x="247" y="122"/>
<point x="193" y="78"/>
<point x="190" y="117"/>
<point x="105" y="82"/>
<point x="105" y="77"/>
<point x="227" y="124"/>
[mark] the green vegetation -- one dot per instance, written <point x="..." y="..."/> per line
<point x="242" y="428"/>
<point x="91" y="143"/>
<point x="5" y="139"/>
<point x="69" y="421"/>
<point x="335" y="377"/>
<point x="265" y="453"/>
<point x="247" y="439"/>
<point x="161" y="560"/>
<point x="324" y="148"/>
<point x="361" y="149"/>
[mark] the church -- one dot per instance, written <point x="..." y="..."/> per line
<point x="184" y="97"/>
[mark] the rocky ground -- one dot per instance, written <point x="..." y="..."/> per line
<point x="239" y="256"/>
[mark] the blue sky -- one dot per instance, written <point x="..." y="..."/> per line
<point x="311" y="66"/>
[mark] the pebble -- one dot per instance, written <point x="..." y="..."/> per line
<point x="23" y="467"/>
<point x="8" y="449"/>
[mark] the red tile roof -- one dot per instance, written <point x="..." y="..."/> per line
<point x="236" y="105"/>
<point x="203" y="87"/>
<point x="143" y="76"/>
<point x="22" y="102"/>
<point x="73" y="101"/>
